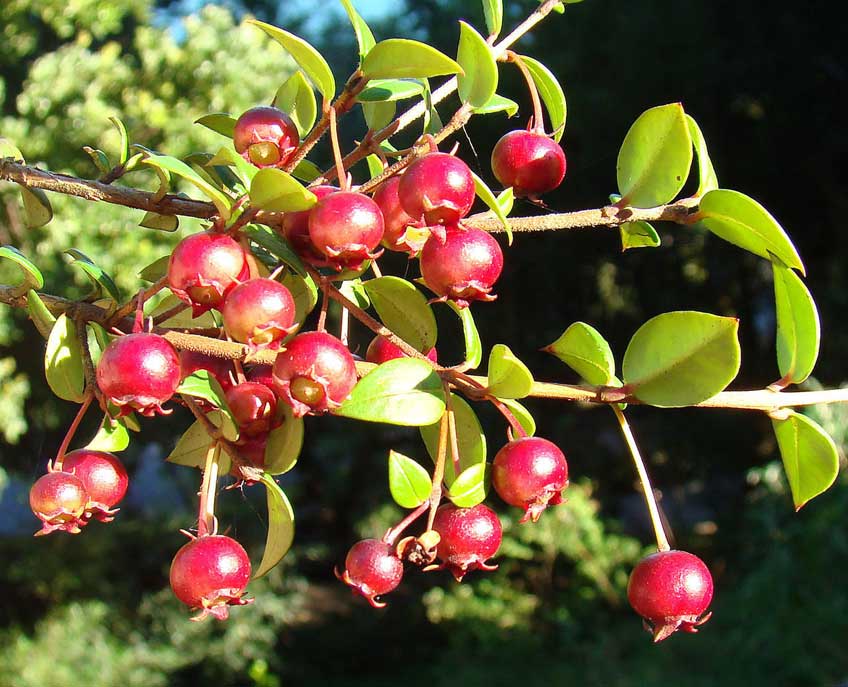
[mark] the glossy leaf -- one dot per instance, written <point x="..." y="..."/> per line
<point x="478" y="83"/>
<point x="473" y="345"/>
<point x="152" y="220"/>
<point x="508" y="376"/>
<point x="63" y="363"/>
<point x="111" y="437"/>
<point x="103" y="282"/>
<point x="41" y="317"/>
<point x="707" y="180"/>
<point x="681" y="358"/>
<point x="655" y="157"/>
<point x="375" y="166"/>
<point x="525" y="419"/>
<point x="307" y="171"/>
<point x="404" y="310"/>
<point x="742" y="221"/>
<point x="201" y="384"/>
<point x="364" y="37"/>
<point x="219" y="122"/>
<point x="172" y="165"/>
<point x="378" y="115"/>
<point x="284" y="443"/>
<point x="497" y="103"/>
<point x="401" y="58"/>
<point x="551" y="93"/>
<point x="485" y="194"/>
<point x="471" y="440"/>
<point x="638" y="235"/>
<point x="296" y="98"/>
<point x="798" y="327"/>
<point x="270" y="241"/>
<point x="506" y="199"/>
<point x="276" y="191"/>
<point x="390" y="90"/>
<point x="354" y="290"/>
<point x="280" y="527"/>
<point x="37" y="208"/>
<point x="493" y="12"/>
<point x="99" y="158"/>
<point x="409" y="482"/>
<point x="471" y="487"/>
<point x="810" y="457"/>
<point x="307" y="57"/>
<point x="585" y="351"/>
<point x="403" y="391"/>
<point x="31" y="274"/>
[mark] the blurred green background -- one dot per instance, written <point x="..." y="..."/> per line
<point x="762" y="81"/>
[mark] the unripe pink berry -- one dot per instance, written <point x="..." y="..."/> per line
<point x="259" y="313"/>
<point x="104" y="478"/>
<point x="59" y="499"/>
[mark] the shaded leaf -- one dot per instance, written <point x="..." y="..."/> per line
<point x="473" y="345"/>
<point x="41" y="317"/>
<point x="37" y="207"/>
<point x="124" y="151"/>
<point x="471" y="487"/>
<point x="191" y="448"/>
<point x="638" y="235"/>
<point x="409" y="482"/>
<point x="270" y="241"/>
<point x="152" y="220"/>
<point x="471" y="440"/>
<point x="399" y="58"/>
<point x="284" y="443"/>
<point x="174" y="166"/>
<point x="404" y="310"/>
<point x="478" y="83"/>
<point x="585" y="351"/>
<point x="707" y="180"/>
<point x="227" y="156"/>
<point x="551" y="93"/>
<point x="102" y="281"/>
<point x="508" y="376"/>
<point x="798" y="327"/>
<point x="378" y="115"/>
<point x="307" y="171"/>
<point x="280" y="527"/>
<point x="63" y="363"/>
<point x="201" y="384"/>
<point x="31" y="274"/>
<point x="390" y="90"/>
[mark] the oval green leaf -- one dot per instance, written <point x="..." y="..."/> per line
<point x="478" y="83"/>
<point x="551" y="93"/>
<point x="364" y="37"/>
<point x="681" y="358"/>
<point x="201" y="384"/>
<point x="219" y="122"/>
<point x="284" y="443"/>
<point x="102" y="281"/>
<point x="63" y="364"/>
<point x="152" y="220"/>
<point x="227" y="156"/>
<point x="155" y="270"/>
<point x="798" y="327"/>
<point x="276" y="191"/>
<point x="172" y="165"/>
<point x="112" y="437"/>
<point x="471" y="487"/>
<point x="37" y="208"/>
<point x="378" y="115"/>
<point x="707" y="180"/>
<point x="400" y="58"/>
<point x="485" y="194"/>
<point x="638" y="235"/>
<point x="32" y="276"/>
<point x="493" y="13"/>
<point x="508" y="376"/>
<point x="280" y="527"/>
<point x="270" y="241"/>
<point x="525" y="419"/>
<point x="296" y="98"/>
<point x="809" y="454"/>
<point x="497" y="103"/>
<point x="41" y="317"/>
<point x="404" y="310"/>
<point x="654" y="160"/>
<point x="473" y="345"/>
<point x="307" y="171"/>
<point x="585" y="351"/>
<point x="390" y="90"/>
<point x="409" y="482"/>
<point x="471" y="440"/>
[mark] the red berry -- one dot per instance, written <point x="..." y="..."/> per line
<point x="372" y="568"/>
<point x="253" y="406"/>
<point x="59" y="499"/>
<point x="252" y="450"/>
<point x="400" y="232"/>
<point x="104" y="478"/>
<point x="469" y="537"/>
<point x="219" y="368"/>
<point x="204" y="268"/>
<point x="259" y="313"/>
<point x="139" y="372"/>
<point x="530" y="473"/>
<point x="381" y="349"/>
<point x="463" y="267"/>
<point x="346" y="227"/>
<point x="671" y="590"/>
<point x="437" y="188"/>
<point x="296" y="230"/>
<point x="210" y="573"/>
<point x="265" y="136"/>
<point x="528" y="161"/>
<point x="263" y="374"/>
<point x="315" y="372"/>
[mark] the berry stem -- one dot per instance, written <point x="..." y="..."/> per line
<point x="391" y="536"/>
<point x="439" y="470"/>
<point x="344" y="182"/>
<point x="63" y="448"/>
<point x="538" y="120"/>
<point x="206" y="522"/>
<point x="650" y="499"/>
<point x="344" y="328"/>
<point x="325" y="301"/>
<point x="454" y="441"/>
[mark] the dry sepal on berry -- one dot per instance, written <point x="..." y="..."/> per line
<point x="259" y="313"/>
<point x="530" y="473"/>
<point x="346" y="227"/>
<point x="529" y="161"/>
<point x="468" y="538"/>
<point x="265" y="137"/>
<point x="59" y="499"/>
<point x="104" y="478"/>
<point x="437" y="189"/>
<point x="372" y="568"/>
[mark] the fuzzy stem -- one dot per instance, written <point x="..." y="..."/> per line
<point x="63" y="448"/>
<point x="206" y="521"/>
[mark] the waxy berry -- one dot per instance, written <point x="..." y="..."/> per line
<point x="463" y="267"/>
<point x="219" y="368"/>
<point x="296" y="230"/>
<point x="259" y="313"/>
<point x="139" y="372"/>
<point x="210" y="573"/>
<point x="528" y="161"/>
<point x="315" y="372"/>
<point x="253" y="406"/>
<point x="346" y="227"/>
<point x="104" y="478"/>
<point x="400" y="232"/>
<point x="372" y="568"/>
<point x="469" y="537"/>
<point x="263" y="374"/>
<point x="437" y="188"/>
<point x="530" y="473"/>
<point x="671" y="590"/>
<point x="265" y="136"/>
<point x="381" y="349"/>
<point x="59" y="499"/>
<point x="204" y="268"/>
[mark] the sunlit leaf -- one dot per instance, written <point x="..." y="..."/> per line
<point x="585" y="351"/>
<point x="508" y="376"/>
<point x="103" y="282"/>
<point x="471" y="487"/>
<point x="404" y="310"/>
<point x="31" y="274"/>
<point x="276" y="191"/>
<point x="280" y="527"/>
<point x="707" y="180"/>
<point x="551" y="93"/>
<point x="296" y="98"/>
<point x="478" y="83"/>
<point x="63" y="361"/>
<point x="409" y="482"/>
<point x="638" y="235"/>
<point x="400" y="58"/>
<point x="798" y="327"/>
<point x="471" y="440"/>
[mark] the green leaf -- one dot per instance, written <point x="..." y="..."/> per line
<point x="404" y="310"/>
<point x="471" y="487"/>
<point x="99" y="158"/>
<point x="470" y="438"/>
<point x="378" y="115"/>
<point x="798" y="328"/>
<point x="303" y="291"/>
<point x="41" y="317"/>
<point x="124" y="153"/>
<point x="585" y="351"/>
<point x="152" y="220"/>
<point x="172" y="165"/>
<point x="270" y="241"/>
<point x="810" y="457"/>
<point x="192" y="447"/>
<point x="280" y="527"/>
<point x="638" y="235"/>
<point x="404" y="391"/>
<point x="307" y="57"/>
<point x="354" y="290"/>
<point x="307" y="171"/>
<point x="493" y="12"/>
<point x="31" y="274"/>
<point x="551" y="93"/>
<point x="525" y="419"/>
<point x="37" y="207"/>
<point x="296" y="98"/>
<point x="409" y="482"/>
<point x="364" y="37"/>
<point x="400" y="58"/>
<point x="473" y="345"/>
<point x="508" y="376"/>
<point x="390" y="90"/>
<point x="112" y="437"/>
<point x="506" y="199"/>
<point x="284" y="443"/>
<point x="276" y="191"/>
<point x="201" y="384"/>
<point x="485" y="194"/>
<point x="102" y="281"/>
<point x="497" y="103"/>
<point x="480" y="79"/>
<point x="742" y="221"/>
<point x="707" y="180"/>
<point x="156" y="269"/>
<point x="375" y="166"/>
<point x="227" y="156"/>
<point x="655" y="157"/>
<point x="682" y="358"/>
<point x="219" y="122"/>
<point x="63" y="364"/>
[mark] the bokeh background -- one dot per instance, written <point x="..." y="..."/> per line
<point x="763" y="82"/>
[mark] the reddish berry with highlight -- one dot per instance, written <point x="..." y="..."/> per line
<point x="59" y="499"/>
<point x="210" y="574"/>
<point x="259" y="313"/>
<point x="400" y="232"/>
<point x="469" y="537"/>
<point x="296" y="230"/>
<point x="381" y="349"/>
<point x="253" y="406"/>
<point x="671" y="590"/>
<point x="265" y="137"/>
<point x="529" y="161"/>
<point x="346" y="227"/>
<point x="437" y="188"/>
<point x="372" y="568"/>
<point x="139" y="372"/>
<point x="530" y="473"/>
<point x="104" y="478"/>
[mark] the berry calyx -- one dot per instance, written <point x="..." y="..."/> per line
<point x="210" y="573"/>
<point x="104" y="478"/>
<point x="400" y="232"/>
<point x="372" y="568"/>
<point x="315" y="372"/>
<point x="219" y="368"/>
<point x="381" y="349"/>
<point x="296" y="230"/>
<point x="529" y="161"/>
<point x="265" y="137"/>
<point x="59" y="499"/>
<point x="468" y="538"/>
<point x="437" y="188"/>
<point x="204" y="268"/>
<point x="346" y="227"/>
<point x="671" y="590"/>
<point x="463" y="267"/>
<point x="139" y="372"/>
<point x="530" y="473"/>
<point x="253" y="406"/>
<point x="259" y="313"/>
